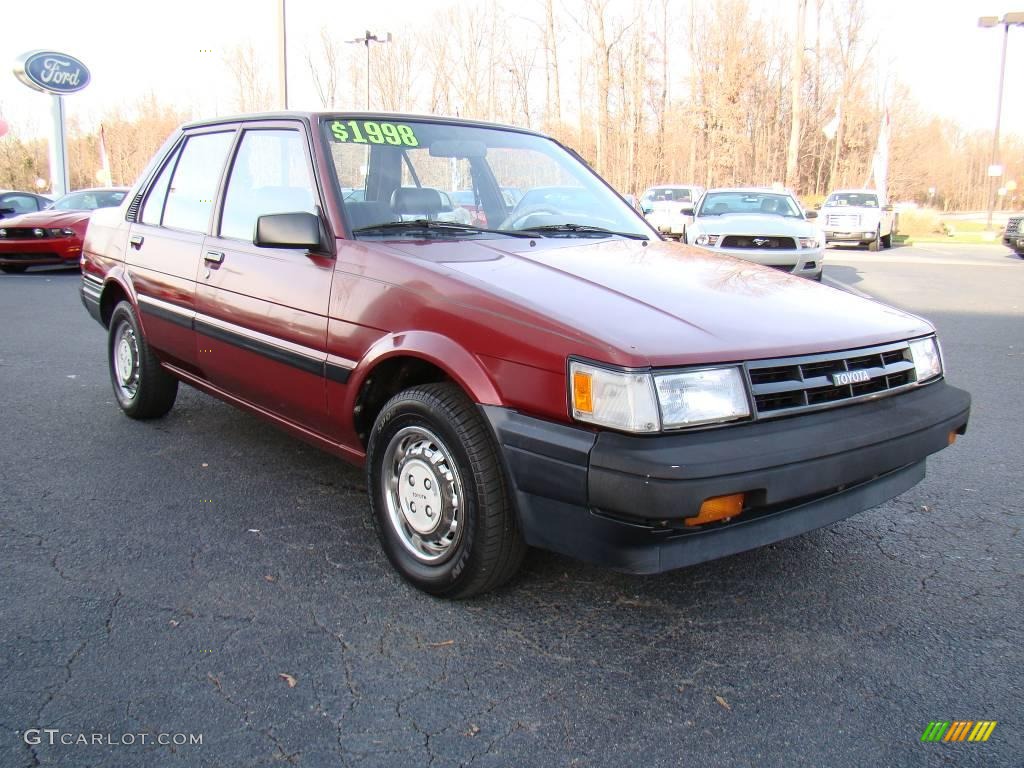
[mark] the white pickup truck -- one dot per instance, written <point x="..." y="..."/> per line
<point x="858" y="216"/>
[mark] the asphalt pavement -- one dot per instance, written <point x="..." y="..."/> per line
<point x="208" y="576"/>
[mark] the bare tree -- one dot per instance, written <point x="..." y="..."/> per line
<point x="251" y="91"/>
<point x="326" y="70"/>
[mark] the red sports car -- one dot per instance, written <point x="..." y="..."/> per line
<point x="53" y="236"/>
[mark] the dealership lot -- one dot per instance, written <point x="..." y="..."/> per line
<point x="206" y="574"/>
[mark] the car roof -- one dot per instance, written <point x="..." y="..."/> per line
<point x="854" y="191"/>
<point x="673" y="186"/>
<point x="391" y="116"/>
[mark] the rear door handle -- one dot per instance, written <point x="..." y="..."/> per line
<point x="215" y="257"/>
<point x="136" y="241"/>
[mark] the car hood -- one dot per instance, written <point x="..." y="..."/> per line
<point x="755" y="224"/>
<point x="662" y="304"/>
<point x="48" y="219"/>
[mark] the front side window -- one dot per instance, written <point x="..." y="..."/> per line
<point x="721" y="203"/>
<point x="270" y="175"/>
<point x="153" y="208"/>
<point x="194" y="185"/>
<point x="417" y="178"/>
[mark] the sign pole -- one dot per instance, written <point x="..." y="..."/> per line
<point x="58" y="149"/>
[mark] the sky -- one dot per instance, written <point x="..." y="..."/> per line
<point x="175" y="49"/>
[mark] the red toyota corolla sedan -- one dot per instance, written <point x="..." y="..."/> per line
<point x="53" y="236"/>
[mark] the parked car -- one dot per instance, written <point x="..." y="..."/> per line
<point x="765" y="226"/>
<point x="14" y="203"/>
<point x="665" y="207"/>
<point x="858" y="216"/>
<point x="561" y="379"/>
<point x="54" y="235"/>
<point x="1013" y="235"/>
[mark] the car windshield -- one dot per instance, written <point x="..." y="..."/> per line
<point x="487" y="181"/>
<point x="767" y="203"/>
<point x="668" y="195"/>
<point x="855" y="199"/>
<point x="89" y="200"/>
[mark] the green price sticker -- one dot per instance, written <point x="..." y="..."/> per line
<point x="371" y="132"/>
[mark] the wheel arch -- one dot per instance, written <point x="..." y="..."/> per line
<point x="402" y="360"/>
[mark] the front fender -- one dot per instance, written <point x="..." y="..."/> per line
<point x="457" y="362"/>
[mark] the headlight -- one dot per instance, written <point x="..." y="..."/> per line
<point x="642" y="402"/>
<point x="809" y="242"/>
<point x="927" y="360"/>
<point x="618" y="399"/>
<point x="706" y="240"/>
<point x="62" y="232"/>
<point x="702" y="397"/>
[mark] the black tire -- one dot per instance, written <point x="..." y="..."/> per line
<point x="151" y="391"/>
<point x="887" y="241"/>
<point x="873" y="245"/>
<point x="13" y="269"/>
<point x="489" y="548"/>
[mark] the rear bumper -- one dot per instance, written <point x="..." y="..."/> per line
<point x="90" y="292"/>
<point x="619" y="500"/>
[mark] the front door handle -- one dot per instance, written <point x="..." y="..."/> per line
<point x="214" y="257"/>
<point x="136" y="241"/>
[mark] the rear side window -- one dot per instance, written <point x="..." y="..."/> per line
<point x="270" y="175"/>
<point x="194" y="185"/>
<point x="154" y="206"/>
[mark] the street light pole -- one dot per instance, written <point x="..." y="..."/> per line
<point x="366" y="40"/>
<point x="282" y="54"/>
<point x="1009" y="20"/>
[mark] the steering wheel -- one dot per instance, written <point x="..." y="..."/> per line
<point x="518" y="219"/>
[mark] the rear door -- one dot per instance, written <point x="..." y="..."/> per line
<point x="262" y="312"/>
<point x="165" y="244"/>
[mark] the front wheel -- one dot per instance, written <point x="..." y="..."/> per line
<point x="873" y="245"/>
<point x="438" y="495"/>
<point x="143" y="389"/>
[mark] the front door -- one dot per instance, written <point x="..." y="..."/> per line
<point x="261" y="316"/>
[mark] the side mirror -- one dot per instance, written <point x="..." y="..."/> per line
<point x="647" y="210"/>
<point x="288" y="230"/>
<point x="5" y="211"/>
<point x="686" y="209"/>
<point x="811" y="215"/>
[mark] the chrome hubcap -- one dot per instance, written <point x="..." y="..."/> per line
<point x="423" y="494"/>
<point x="126" y="361"/>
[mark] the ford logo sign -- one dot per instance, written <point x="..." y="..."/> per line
<point x="51" y="72"/>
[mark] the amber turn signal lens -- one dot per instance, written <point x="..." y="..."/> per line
<point x="952" y="438"/>
<point x="717" y="508"/>
<point x="583" y="392"/>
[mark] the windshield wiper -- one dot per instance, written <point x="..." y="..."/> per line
<point x="431" y="225"/>
<point x="583" y="229"/>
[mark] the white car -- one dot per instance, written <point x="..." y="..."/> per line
<point x="663" y="207"/>
<point x="859" y="217"/>
<point x="765" y="226"/>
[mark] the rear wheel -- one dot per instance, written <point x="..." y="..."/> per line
<point x="438" y="495"/>
<point x="13" y="269"/>
<point x="143" y="389"/>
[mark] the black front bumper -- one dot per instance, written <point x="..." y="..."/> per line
<point x="619" y="500"/>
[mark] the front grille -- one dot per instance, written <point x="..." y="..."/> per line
<point x="759" y="242"/>
<point x="788" y="385"/>
<point x="840" y="220"/>
<point x="783" y="267"/>
<point x="22" y="233"/>
<point x="1013" y="226"/>
<point x="30" y="257"/>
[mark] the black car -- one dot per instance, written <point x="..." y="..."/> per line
<point x="1013" y="235"/>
